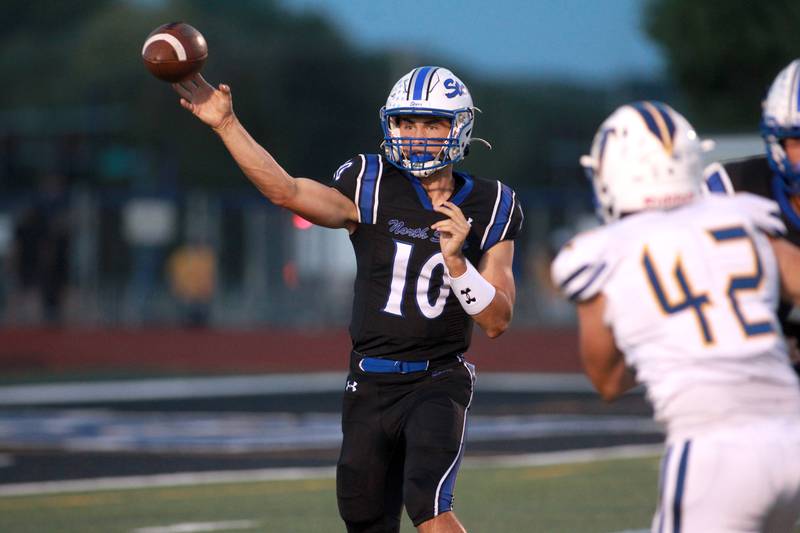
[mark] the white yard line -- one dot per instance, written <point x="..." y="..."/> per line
<point x="276" y="474"/>
<point x="193" y="527"/>
<point x="262" y="385"/>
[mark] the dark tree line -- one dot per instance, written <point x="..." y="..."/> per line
<point x="72" y="72"/>
<point x="724" y="54"/>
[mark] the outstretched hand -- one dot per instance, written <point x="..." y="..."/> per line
<point x="213" y="106"/>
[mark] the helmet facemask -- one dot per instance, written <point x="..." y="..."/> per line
<point x="788" y="173"/>
<point x="422" y="156"/>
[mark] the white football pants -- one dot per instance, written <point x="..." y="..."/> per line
<point x="745" y="479"/>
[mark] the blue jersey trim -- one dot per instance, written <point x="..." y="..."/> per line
<point x="503" y="214"/>
<point x="422" y="194"/>
<point x="680" y="488"/>
<point x="662" y="481"/>
<point x="575" y="296"/>
<point x="574" y="275"/>
<point x="366" y="199"/>
<point x="715" y="184"/>
<point x="465" y="189"/>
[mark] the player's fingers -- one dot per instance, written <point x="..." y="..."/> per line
<point x="446" y="226"/>
<point x="225" y="88"/>
<point x="451" y="210"/>
<point x="182" y="91"/>
<point x="454" y="221"/>
<point x="187" y="105"/>
<point x="200" y="81"/>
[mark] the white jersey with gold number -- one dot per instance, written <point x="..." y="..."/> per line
<point x="691" y="297"/>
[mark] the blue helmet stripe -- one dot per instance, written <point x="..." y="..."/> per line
<point x="419" y="84"/>
<point x="648" y="118"/>
<point x="503" y="214"/>
<point x="797" y="90"/>
<point x="662" y="109"/>
<point x="603" y="140"/>
<point x="366" y="200"/>
<point x="428" y="84"/>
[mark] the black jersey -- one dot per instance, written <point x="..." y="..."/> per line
<point x="403" y="307"/>
<point x="753" y="174"/>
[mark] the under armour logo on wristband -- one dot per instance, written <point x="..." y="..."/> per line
<point x="467" y="298"/>
<point x="351" y="386"/>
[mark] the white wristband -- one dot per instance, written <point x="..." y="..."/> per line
<point x="474" y="293"/>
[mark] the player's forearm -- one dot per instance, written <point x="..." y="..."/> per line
<point x="496" y="318"/>
<point x="257" y="164"/>
<point x="611" y="383"/>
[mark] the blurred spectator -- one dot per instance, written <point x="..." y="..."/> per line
<point x="149" y="226"/>
<point x="192" y="272"/>
<point x="41" y="254"/>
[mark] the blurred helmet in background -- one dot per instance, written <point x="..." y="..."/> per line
<point x="644" y="156"/>
<point x="781" y="119"/>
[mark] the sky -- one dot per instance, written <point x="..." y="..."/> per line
<point x="594" y="41"/>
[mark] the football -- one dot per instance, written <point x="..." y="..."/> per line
<point x="174" y="51"/>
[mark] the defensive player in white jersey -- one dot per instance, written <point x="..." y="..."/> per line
<point x="679" y="292"/>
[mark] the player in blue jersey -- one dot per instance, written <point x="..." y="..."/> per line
<point x="434" y="249"/>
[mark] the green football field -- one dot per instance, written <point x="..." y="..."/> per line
<point x="605" y="496"/>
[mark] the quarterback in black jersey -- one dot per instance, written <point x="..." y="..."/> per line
<point x="434" y="249"/>
<point x="775" y="174"/>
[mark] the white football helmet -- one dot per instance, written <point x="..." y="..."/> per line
<point x="781" y="119"/>
<point x="433" y="91"/>
<point x="644" y="156"/>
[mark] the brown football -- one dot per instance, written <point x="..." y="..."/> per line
<point x="174" y="51"/>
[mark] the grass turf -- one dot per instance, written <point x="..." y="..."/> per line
<point x="603" y="496"/>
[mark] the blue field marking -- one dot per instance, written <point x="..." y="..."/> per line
<point x="100" y="430"/>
